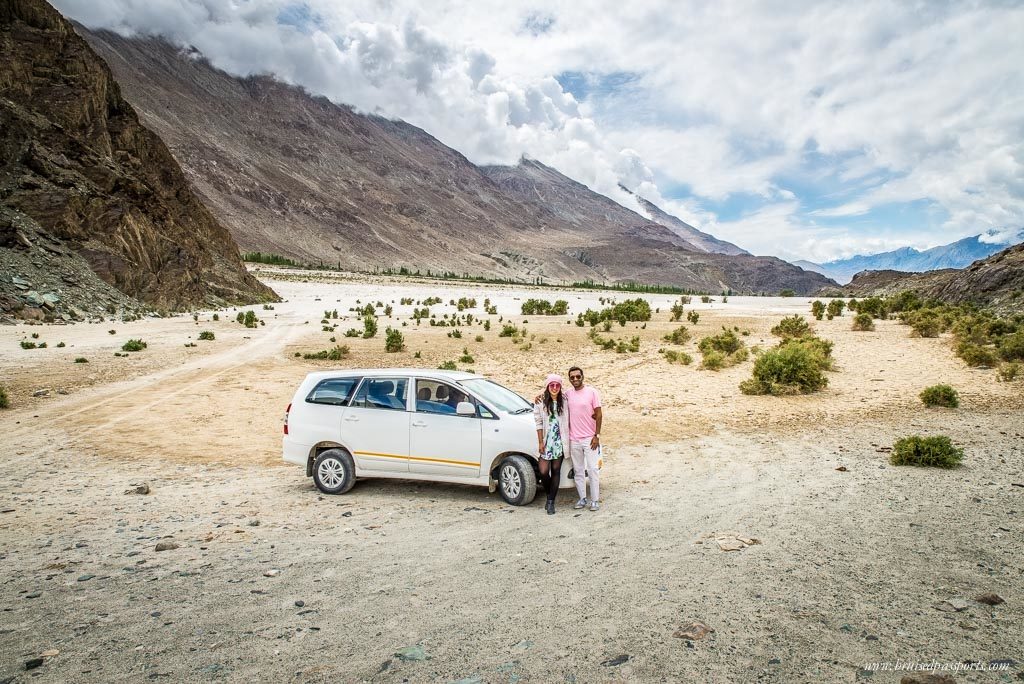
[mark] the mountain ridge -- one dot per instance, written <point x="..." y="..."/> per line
<point x="308" y="179"/>
<point x="958" y="254"/>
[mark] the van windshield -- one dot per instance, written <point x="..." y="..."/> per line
<point x="499" y="397"/>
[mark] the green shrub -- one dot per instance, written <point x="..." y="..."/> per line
<point x="393" y="340"/>
<point x="5" y="402"/>
<point x="937" y="452"/>
<point x="466" y="356"/>
<point x="81" y="359"/>
<point x="542" y="307"/>
<point x="448" y="365"/>
<point x="693" y="317"/>
<point x="207" y="335"/>
<point x="677" y="312"/>
<point x="835" y="307"/>
<point x="216" y="317"/>
<point x="864" y="322"/>
<point x="792" y="368"/>
<point x="726" y="342"/>
<point x="457" y="334"/>
<point x="28" y="344"/>
<point x="818" y="309"/>
<point x="925" y="323"/>
<point x="874" y="307"/>
<point x="247" y="318"/>
<point x="823" y="348"/>
<point x="508" y="331"/>
<point x="369" y="326"/>
<point x="792" y="327"/>
<point x="335" y="354"/>
<point x="133" y="346"/>
<point x="418" y="355"/>
<point x="940" y="395"/>
<point x="673" y="356"/>
<point x="712" y="360"/>
<point x="1009" y="371"/>
<point x="977" y="356"/>
<point x="787" y="293"/>
<point x="1011" y="346"/>
<point x="678" y="336"/>
<point x="111" y="332"/>
<point x="61" y="344"/>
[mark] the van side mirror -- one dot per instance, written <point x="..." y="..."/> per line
<point x="464" y="408"/>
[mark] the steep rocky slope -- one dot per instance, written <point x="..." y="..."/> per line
<point x="91" y="202"/>
<point x="299" y="176"/>
<point x="997" y="281"/>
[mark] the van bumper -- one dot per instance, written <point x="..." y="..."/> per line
<point x="293" y="452"/>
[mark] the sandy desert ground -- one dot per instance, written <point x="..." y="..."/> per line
<point x="273" y="582"/>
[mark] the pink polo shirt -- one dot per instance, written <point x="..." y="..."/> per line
<point x="582" y="403"/>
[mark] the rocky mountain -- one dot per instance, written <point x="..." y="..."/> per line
<point x="93" y="207"/>
<point x="298" y="176"/>
<point x="954" y="255"/>
<point x="705" y="242"/>
<point x="996" y="281"/>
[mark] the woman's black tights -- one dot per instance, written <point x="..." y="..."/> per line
<point x="551" y="476"/>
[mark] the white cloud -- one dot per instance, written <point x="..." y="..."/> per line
<point x="890" y="102"/>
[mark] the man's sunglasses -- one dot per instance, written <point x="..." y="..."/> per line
<point x="575" y="377"/>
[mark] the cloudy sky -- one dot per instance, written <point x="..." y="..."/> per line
<point x="810" y="130"/>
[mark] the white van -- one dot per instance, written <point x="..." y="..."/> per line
<point x="416" y="424"/>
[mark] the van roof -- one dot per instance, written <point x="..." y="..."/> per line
<point x="451" y="376"/>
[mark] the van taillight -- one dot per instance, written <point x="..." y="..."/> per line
<point x="286" y="412"/>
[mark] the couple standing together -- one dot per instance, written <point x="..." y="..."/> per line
<point x="569" y="421"/>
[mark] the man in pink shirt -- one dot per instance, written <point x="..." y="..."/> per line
<point x="584" y="437"/>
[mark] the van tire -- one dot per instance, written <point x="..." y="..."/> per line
<point x="334" y="471"/>
<point x="517" y="480"/>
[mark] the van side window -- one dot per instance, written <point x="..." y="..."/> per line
<point x="382" y="393"/>
<point x="334" y="391"/>
<point x="438" y="397"/>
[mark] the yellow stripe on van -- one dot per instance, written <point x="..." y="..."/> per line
<point x="464" y="464"/>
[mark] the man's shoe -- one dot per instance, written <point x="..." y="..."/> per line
<point x="582" y="503"/>
<point x="594" y="506"/>
<point x="550" y="507"/>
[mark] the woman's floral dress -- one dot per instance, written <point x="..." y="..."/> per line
<point x="553" y="449"/>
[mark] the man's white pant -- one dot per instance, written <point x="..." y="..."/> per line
<point x="584" y="460"/>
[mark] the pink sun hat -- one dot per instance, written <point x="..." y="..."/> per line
<point x="553" y="378"/>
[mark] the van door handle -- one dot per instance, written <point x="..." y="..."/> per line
<point x="352" y="419"/>
<point x="419" y="423"/>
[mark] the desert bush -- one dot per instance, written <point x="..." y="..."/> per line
<point x="114" y="332"/>
<point x="1009" y="371"/>
<point x="394" y="341"/>
<point x="5" y="401"/>
<point x="61" y="344"/>
<point x="334" y="354"/>
<point x="448" y="365"/>
<point x="28" y="344"/>
<point x="693" y="317"/>
<point x="677" y="312"/>
<point x="795" y="367"/>
<point x="456" y="334"/>
<point x="81" y="359"/>
<point x="940" y="395"/>
<point x="792" y="327"/>
<point x="864" y="322"/>
<point x="787" y="293"/>
<point x="937" y="452"/>
<point x="673" y="356"/>
<point x="478" y="338"/>
<point x="1011" y="346"/>
<point x="632" y="346"/>
<point x="133" y="346"/>
<point x="874" y="307"/>
<point x="216" y="317"/>
<point x="465" y="303"/>
<point x="507" y="331"/>
<point x="369" y="326"/>
<point x="835" y="307"/>
<point x="823" y="348"/>
<point x="726" y="342"/>
<point x="818" y="309"/>
<point x="712" y="360"/>
<point x="207" y="335"/>
<point x="678" y="336"/>
<point x="977" y="356"/>
<point x="542" y="307"/>
<point x="466" y="356"/>
<point x="430" y="301"/>
<point x="487" y="325"/>
<point x="904" y="301"/>
<point x="247" y="318"/>
<point x="705" y="299"/>
<point x="923" y="322"/>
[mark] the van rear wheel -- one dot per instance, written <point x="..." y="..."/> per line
<point x="334" y="472"/>
<point x="517" y="480"/>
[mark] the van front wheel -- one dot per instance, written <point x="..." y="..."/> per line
<point x="517" y="480"/>
<point x="334" y="472"/>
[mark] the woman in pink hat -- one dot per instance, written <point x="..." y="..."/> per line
<point x="551" y="415"/>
